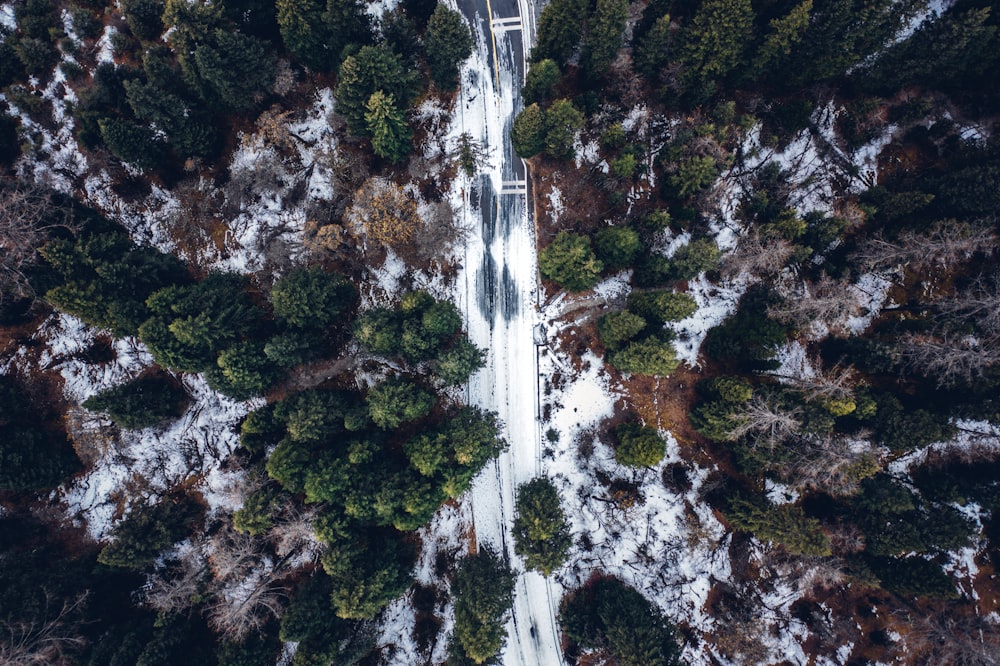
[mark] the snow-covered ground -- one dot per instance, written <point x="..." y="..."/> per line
<point x="497" y="291"/>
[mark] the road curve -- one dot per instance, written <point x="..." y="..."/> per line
<point x="500" y="278"/>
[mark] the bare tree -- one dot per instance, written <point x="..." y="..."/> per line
<point x="28" y="218"/>
<point x="979" y="303"/>
<point x="837" y="383"/>
<point x="828" y="301"/>
<point x="293" y="535"/>
<point x="246" y="591"/>
<point x="766" y="422"/>
<point x="951" y="358"/>
<point x="756" y="256"/>
<point x="176" y="588"/>
<point x="46" y="643"/>
<point x="947" y="242"/>
<point x="830" y="464"/>
<point x="963" y="638"/>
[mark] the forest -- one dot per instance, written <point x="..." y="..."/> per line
<point x="236" y="357"/>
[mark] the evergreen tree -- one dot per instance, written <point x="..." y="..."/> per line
<point x="32" y="456"/>
<point x="541" y="533"/>
<point x="541" y="80"/>
<point x="347" y="26"/>
<point x="386" y="124"/>
<point x="457" y="363"/>
<point x="378" y="331"/>
<point x="714" y="42"/>
<point x="639" y="445"/>
<point x="562" y="122"/>
<point x="698" y="256"/>
<point x="137" y="540"/>
<point x="302" y="29"/>
<point x="483" y="590"/>
<point x="605" y="30"/>
<point x="311" y="298"/>
<point x="646" y="357"/>
<point x="659" y="307"/>
<point x="606" y="613"/>
<point x="397" y="400"/>
<point x="651" y="52"/>
<point x="144" y="18"/>
<point x="569" y="261"/>
<point x="447" y="43"/>
<point x="560" y="27"/>
<point x="244" y="371"/>
<point x="617" y="247"/>
<point x="786" y="32"/>
<point x="238" y="69"/>
<point x="528" y="131"/>
<point x="694" y="175"/>
<point x="368" y="569"/>
<point x="143" y="402"/>
<point x="617" y="328"/>
<point x="132" y="143"/>
<point x="371" y="69"/>
<point x="786" y="524"/>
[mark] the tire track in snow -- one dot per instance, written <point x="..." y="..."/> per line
<point x="501" y="287"/>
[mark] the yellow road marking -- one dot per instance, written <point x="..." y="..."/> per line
<point x="493" y="35"/>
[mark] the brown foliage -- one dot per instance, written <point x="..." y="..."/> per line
<point x="385" y="213"/>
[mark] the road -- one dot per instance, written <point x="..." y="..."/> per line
<point x="500" y="279"/>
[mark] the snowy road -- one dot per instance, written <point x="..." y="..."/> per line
<point x="500" y="287"/>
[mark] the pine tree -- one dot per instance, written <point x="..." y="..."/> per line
<point x="302" y="29"/>
<point x="617" y="247"/>
<point x="134" y="144"/>
<point x="786" y="32"/>
<point x="238" y="69"/>
<point x="311" y="298"/>
<point x="639" y="445"/>
<point x="560" y="27"/>
<point x="660" y="307"/>
<point x="373" y="68"/>
<point x="528" y="131"/>
<point x="605" y="30"/>
<point x="646" y="357"/>
<point x="714" y="42"/>
<point x="483" y="590"/>
<point x="143" y="402"/>
<point x="386" y="124"/>
<point x="569" y="261"/>
<point x="397" y="400"/>
<point x="617" y="328"/>
<point x="541" y="533"/>
<point x="562" y="122"/>
<point x="447" y="43"/>
<point x="651" y="52"/>
<point x="541" y="80"/>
